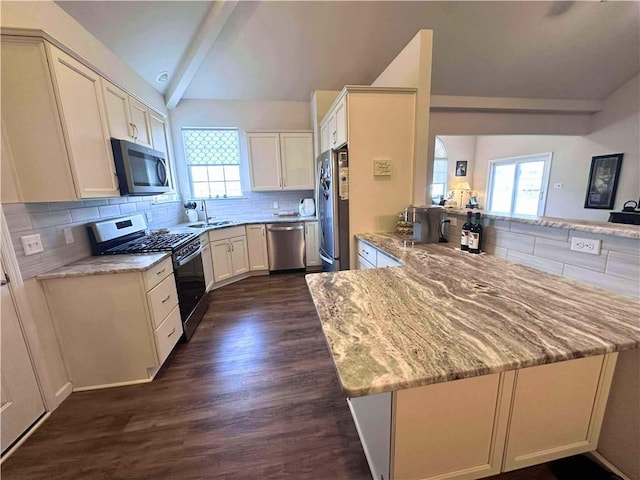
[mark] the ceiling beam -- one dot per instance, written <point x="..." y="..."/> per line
<point x="198" y="49"/>
<point x="505" y="104"/>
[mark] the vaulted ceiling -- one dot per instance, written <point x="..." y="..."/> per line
<point x="284" y="50"/>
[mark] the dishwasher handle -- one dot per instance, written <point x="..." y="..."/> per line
<point x="285" y="229"/>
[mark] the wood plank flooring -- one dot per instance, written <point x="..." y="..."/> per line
<point x="254" y="395"/>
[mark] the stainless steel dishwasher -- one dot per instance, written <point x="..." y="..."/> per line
<point x="285" y="243"/>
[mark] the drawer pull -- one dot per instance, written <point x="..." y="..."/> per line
<point x="166" y="299"/>
<point x="160" y="272"/>
<point x="173" y="330"/>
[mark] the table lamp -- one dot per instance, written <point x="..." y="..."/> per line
<point x="463" y="187"/>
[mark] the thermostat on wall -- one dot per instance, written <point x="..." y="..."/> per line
<point x="382" y="168"/>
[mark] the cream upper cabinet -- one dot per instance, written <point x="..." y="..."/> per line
<point x="264" y="161"/>
<point x="85" y="123"/>
<point x="56" y="126"/>
<point x="141" y="122"/>
<point x="257" y="247"/>
<point x="10" y="187"/>
<point x="312" y="246"/>
<point x="333" y="129"/>
<point x="128" y="118"/>
<point x="160" y="139"/>
<point x="281" y="160"/>
<point x="296" y="155"/>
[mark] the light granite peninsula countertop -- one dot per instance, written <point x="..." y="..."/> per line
<point x="447" y="314"/>
<point x="107" y="264"/>
<point x="591" y="226"/>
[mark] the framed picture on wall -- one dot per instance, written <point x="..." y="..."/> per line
<point x="603" y="181"/>
<point x="461" y="168"/>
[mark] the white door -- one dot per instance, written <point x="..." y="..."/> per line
<point x="21" y="400"/>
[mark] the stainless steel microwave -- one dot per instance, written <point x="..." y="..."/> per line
<point x="140" y="170"/>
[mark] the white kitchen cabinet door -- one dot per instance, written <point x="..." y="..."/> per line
<point x="296" y="154"/>
<point x="85" y="123"/>
<point x="21" y="400"/>
<point x="363" y="264"/>
<point x="239" y="255"/>
<point x="325" y="135"/>
<point x="557" y="410"/>
<point x="160" y="140"/>
<point x="264" y="161"/>
<point x="207" y="266"/>
<point x="257" y="246"/>
<point x="116" y="103"/>
<point x="311" y="244"/>
<point x="140" y="118"/>
<point x="221" y="259"/>
<point x="10" y="187"/>
<point x="340" y="122"/>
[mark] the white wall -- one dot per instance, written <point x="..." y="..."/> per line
<point x="53" y="20"/>
<point x="412" y="68"/>
<point x="459" y="148"/>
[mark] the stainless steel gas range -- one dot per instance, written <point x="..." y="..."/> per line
<point x="129" y="234"/>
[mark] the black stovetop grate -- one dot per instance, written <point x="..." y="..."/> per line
<point x="153" y="243"/>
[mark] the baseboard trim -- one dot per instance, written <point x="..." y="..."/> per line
<point x="607" y="464"/>
<point x="24" y="437"/>
<point x="112" y="385"/>
<point x="61" y="394"/>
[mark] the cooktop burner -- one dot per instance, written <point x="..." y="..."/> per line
<point x="153" y="243"/>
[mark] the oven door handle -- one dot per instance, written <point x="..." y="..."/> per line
<point x="186" y="260"/>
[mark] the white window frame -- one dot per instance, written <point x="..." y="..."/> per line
<point x="542" y="201"/>
<point x="188" y="165"/>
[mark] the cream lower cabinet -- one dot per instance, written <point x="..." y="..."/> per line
<point x="55" y="124"/>
<point x="115" y="329"/>
<point x="229" y="253"/>
<point x="257" y="247"/>
<point x="312" y="244"/>
<point x="370" y="257"/>
<point x="480" y="426"/>
<point x="207" y="263"/>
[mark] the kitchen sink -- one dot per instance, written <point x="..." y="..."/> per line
<point x="211" y="224"/>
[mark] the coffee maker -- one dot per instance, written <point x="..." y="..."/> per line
<point x="426" y="223"/>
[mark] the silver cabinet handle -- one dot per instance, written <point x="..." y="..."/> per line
<point x="285" y="229"/>
<point x="173" y="330"/>
<point x="166" y="299"/>
<point x="263" y="231"/>
<point x="161" y="271"/>
<point x="228" y="247"/>
<point x="232" y="247"/>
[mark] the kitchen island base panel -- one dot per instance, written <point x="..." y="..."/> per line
<point x="477" y="427"/>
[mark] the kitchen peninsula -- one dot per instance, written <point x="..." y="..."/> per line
<point x="462" y="366"/>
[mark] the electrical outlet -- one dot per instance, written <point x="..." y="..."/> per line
<point x="32" y="244"/>
<point x="557" y="185"/>
<point x="585" y="245"/>
<point x="68" y="236"/>
<point x="454" y="221"/>
<point x="275" y="205"/>
<point x="149" y="216"/>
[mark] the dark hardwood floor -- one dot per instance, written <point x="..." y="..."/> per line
<point x="254" y="395"/>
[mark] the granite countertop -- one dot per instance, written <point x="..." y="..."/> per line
<point x="447" y="314"/>
<point x="603" y="228"/>
<point x="106" y="264"/>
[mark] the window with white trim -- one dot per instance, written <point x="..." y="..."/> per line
<point x="439" y="184"/>
<point x="213" y="160"/>
<point x="518" y="185"/>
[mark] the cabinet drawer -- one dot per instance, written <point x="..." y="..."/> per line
<point x="168" y="334"/>
<point x="162" y="299"/>
<point x="363" y="264"/>
<point x="383" y="260"/>
<point x="367" y="252"/>
<point x="224" y="233"/>
<point x="157" y="273"/>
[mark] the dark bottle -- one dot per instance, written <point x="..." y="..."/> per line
<point x="475" y="235"/>
<point x="464" y="238"/>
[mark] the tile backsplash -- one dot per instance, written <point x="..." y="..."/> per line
<point x="51" y="219"/>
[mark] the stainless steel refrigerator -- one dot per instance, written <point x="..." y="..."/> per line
<point x="332" y="170"/>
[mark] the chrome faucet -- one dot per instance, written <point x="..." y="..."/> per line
<point x="204" y="208"/>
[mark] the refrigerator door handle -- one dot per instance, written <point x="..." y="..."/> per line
<point x="324" y="257"/>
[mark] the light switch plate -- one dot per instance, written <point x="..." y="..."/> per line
<point x="32" y="244"/>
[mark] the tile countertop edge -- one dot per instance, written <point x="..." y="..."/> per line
<point x="106" y="265"/>
<point x="602" y="228"/>
<point x="347" y="321"/>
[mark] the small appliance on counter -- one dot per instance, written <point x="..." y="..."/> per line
<point x="426" y="223"/>
<point x="307" y="207"/>
<point x="630" y="214"/>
